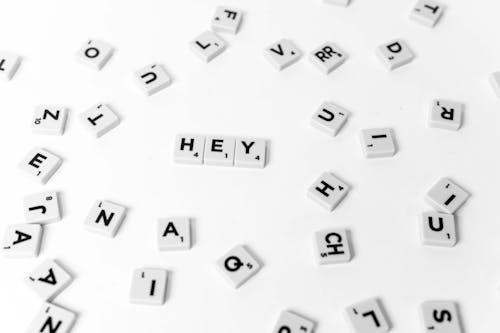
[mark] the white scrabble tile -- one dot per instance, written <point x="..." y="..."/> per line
<point x="250" y="153"/>
<point x="99" y="120"/>
<point x="189" y="149"/>
<point x="208" y="45"/>
<point x="290" y="322"/>
<point x="495" y="83"/>
<point x="332" y="246"/>
<point x="42" y="207"/>
<point x="152" y="79"/>
<point x="427" y="12"/>
<point x="40" y="164"/>
<point x="329" y="118"/>
<point x="149" y="286"/>
<point x="327" y="57"/>
<point x="219" y="150"/>
<point x="9" y="63"/>
<point x="395" y="54"/>
<point x="446" y="114"/>
<point x="105" y="218"/>
<point x="52" y="319"/>
<point x="328" y="191"/>
<point x="49" y="119"/>
<point x="174" y="234"/>
<point x="446" y="196"/>
<point x="282" y="54"/>
<point x="438" y="229"/>
<point x="22" y="240"/>
<point x="367" y="317"/>
<point x="237" y="266"/>
<point x="440" y="317"/>
<point x="378" y="142"/>
<point x="338" y="2"/>
<point x="48" y="280"/>
<point x="227" y="19"/>
<point x="95" y="53"/>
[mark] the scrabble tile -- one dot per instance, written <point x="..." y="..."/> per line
<point x="189" y="149"/>
<point x="219" y="150"/>
<point x="446" y="114"/>
<point x="427" y="12"/>
<point x="149" y="286"/>
<point x="438" y="229"/>
<point x="152" y="78"/>
<point x="95" y="53"/>
<point x="227" y="20"/>
<point x="9" y="63"/>
<point x="40" y="164"/>
<point x="282" y="54"/>
<point x="250" y="153"/>
<point x="99" y="120"/>
<point x="440" y="317"/>
<point x="327" y="57"/>
<point x="22" y="240"/>
<point x="378" y="142"/>
<point x="368" y="317"/>
<point x="49" y="119"/>
<point x="290" y="322"/>
<point x="48" y="280"/>
<point x="446" y="196"/>
<point x="395" y="54"/>
<point x="495" y="83"/>
<point x="52" y="319"/>
<point x="328" y="191"/>
<point x="338" y="2"/>
<point x="237" y="266"/>
<point x="105" y="218"/>
<point x="329" y="118"/>
<point x="174" y="234"/>
<point x="42" y="207"/>
<point x="332" y="246"/>
<point x="208" y="45"/>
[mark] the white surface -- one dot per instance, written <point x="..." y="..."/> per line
<point x="239" y="93"/>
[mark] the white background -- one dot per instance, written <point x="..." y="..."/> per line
<point x="239" y="93"/>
